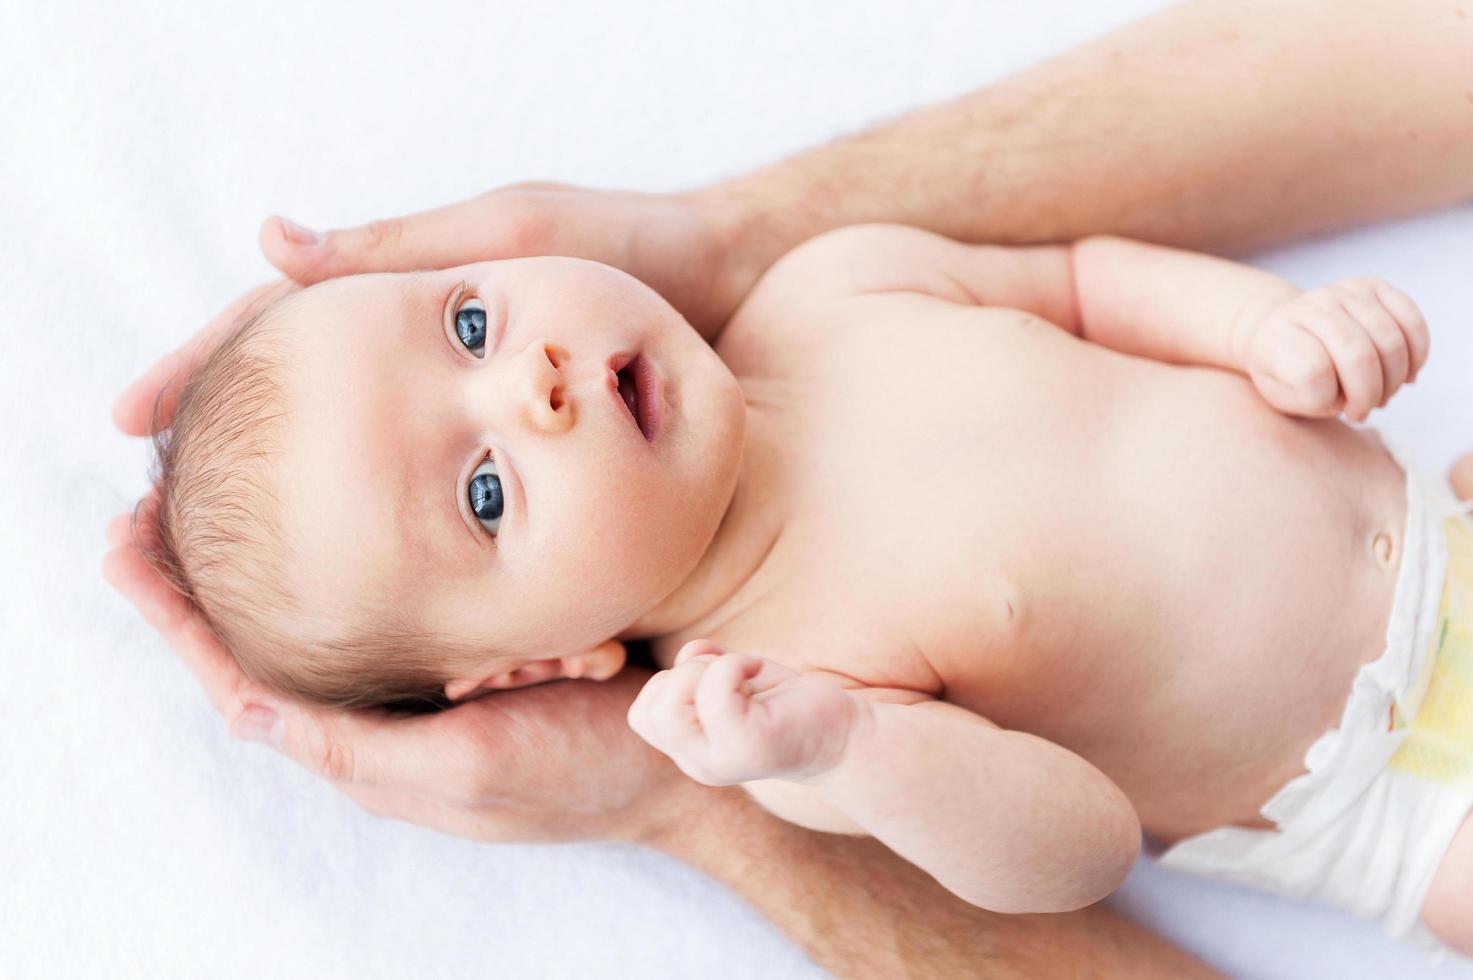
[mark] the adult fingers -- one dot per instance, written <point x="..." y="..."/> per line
<point x="513" y="221"/>
<point x="186" y="632"/>
<point x="441" y="756"/>
<point x="394" y="805"/>
<point x="681" y="245"/>
<point x="156" y="390"/>
<point x="480" y="823"/>
<point x="120" y="530"/>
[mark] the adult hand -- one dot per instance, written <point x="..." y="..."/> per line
<point x="693" y="248"/>
<point x="555" y="762"/>
<point x="697" y="249"/>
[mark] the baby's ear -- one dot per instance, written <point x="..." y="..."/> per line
<point x="597" y="664"/>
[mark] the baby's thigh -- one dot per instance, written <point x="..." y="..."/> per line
<point x="1448" y="911"/>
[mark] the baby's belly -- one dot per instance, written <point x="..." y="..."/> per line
<point x="1195" y="621"/>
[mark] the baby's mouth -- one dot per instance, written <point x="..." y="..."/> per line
<point x="629" y="391"/>
<point x="638" y="389"/>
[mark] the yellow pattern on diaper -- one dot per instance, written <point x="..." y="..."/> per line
<point x="1439" y="743"/>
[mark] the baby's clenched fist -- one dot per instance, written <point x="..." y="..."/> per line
<point x="1348" y="346"/>
<point x="727" y="718"/>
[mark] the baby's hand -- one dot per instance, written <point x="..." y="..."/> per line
<point x="1347" y="346"/>
<point x="729" y="718"/>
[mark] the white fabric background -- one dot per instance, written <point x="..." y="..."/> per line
<point x="138" y="151"/>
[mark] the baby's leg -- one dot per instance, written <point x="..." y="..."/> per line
<point x="1448" y="911"/>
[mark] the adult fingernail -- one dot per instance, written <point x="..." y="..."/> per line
<point x="257" y="724"/>
<point x="299" y="234"/>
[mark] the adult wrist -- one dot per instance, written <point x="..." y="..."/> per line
<point x="683" y="820"/>
<point x="754" y="220"/>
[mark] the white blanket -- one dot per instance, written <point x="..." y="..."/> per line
<point x="137" y="153"/>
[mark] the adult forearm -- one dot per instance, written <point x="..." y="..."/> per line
<point x="1219" y="125"/>
<point x="859" y="911"/>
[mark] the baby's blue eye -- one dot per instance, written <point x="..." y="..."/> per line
<point x="484" y="492"/>
<point x="470" y="326"/>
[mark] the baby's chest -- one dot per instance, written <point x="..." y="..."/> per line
<point x="872" y="616"/>
<point x="913" y="482"/>
<point x="924" y="437"/>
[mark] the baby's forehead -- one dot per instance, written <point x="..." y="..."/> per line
<point x="338" y="294"/>
<point x="350" y="385"/>
<point x="311" y="322"/>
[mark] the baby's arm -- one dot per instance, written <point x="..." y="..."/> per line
<point x="1348" y="346"/>
<point x="1005" y="820"/>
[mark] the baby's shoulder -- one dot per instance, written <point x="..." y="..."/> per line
<point x="862" y="260"/>
<point x="835" y="280"/>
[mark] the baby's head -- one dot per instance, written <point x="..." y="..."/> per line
<point x="396" y="487"/>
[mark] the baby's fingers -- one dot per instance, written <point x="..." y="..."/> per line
<point x="725" y="693"/>
<point x="664" y="713"/>
<point x="697" y="648"/>
<point x="1410" y="320"/>
<point x="1387" y="337"/>
<point x="1357" y="362"/>
<point x="1295" y="374"/>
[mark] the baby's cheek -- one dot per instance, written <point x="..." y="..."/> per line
<point x="638" y="564"/>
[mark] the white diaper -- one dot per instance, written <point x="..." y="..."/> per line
<point x="1366" y="826"/>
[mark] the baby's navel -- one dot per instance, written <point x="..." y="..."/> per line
<point x="1383" y="546"/>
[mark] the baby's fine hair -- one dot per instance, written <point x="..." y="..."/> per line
<point x="217" y="540"/>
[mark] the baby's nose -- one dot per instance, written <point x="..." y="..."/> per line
<point x="545" y="401"/>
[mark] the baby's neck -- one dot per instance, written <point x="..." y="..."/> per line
<point x="753" y="521"/>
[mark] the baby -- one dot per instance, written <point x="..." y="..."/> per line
<point x="1023" y="561"/>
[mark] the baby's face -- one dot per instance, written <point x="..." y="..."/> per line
<point x="402" y="428"/>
